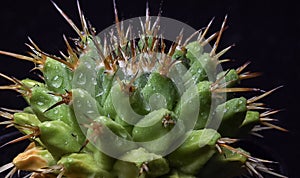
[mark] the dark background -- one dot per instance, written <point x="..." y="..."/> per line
<point x="264" y="32"/>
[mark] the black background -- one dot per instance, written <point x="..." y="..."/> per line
<point x="264" y="32"/>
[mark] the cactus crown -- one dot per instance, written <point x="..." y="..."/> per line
<point x="121" y="105"/>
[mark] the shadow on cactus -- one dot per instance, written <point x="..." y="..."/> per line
<point x="146" y="97"/>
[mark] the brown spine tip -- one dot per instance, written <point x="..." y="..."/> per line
<point x="68" y="20"/>
<point x="230" y="90"/>
<point x="248" y="75"/>
<point x="213" y="51"/>
<point x="256" y="98"/>
<point x="211" y="37"/>
<point x="274" y="126"/>
<point x="18" y="56"/>
<point x="18" y="86"/>
<point x="35" y="132"/>
<point x="206" y="30"/>
<point x="270" y="112"/>
<point x="82" y="19"/>
<point x="221" y="53"/>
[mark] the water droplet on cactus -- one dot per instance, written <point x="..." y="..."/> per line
<point x="81" y="79"/>
<point x="41" y="103"/>
<point x="88" y="65"/>
<point x="99" y="94"/>
<point x="57" y="81"/>
<point x="90" y="112"/>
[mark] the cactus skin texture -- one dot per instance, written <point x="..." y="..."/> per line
<point x="65" y="143"/>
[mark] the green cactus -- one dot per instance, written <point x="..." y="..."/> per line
<point x="124" y="107"/>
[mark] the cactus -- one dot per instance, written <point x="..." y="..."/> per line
<point x="123" y="106"/>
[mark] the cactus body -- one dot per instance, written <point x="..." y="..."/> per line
<point x="131" y="108"/>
